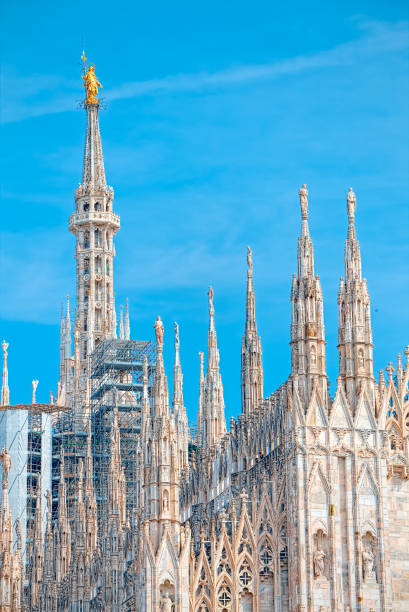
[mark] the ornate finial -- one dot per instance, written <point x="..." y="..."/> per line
<point x="351" y="204"/>
<point x="390" y="369"/>
<point x="145" y="369"/>
<point x="177" y="343"/>
<point x="304" y="202"/>
<point x="91" y="84"/>
<point x="6" y="461"/>
<point x="210" y="295"/>
<point x="34" y="384"/>
<point x="159" y="331"/>
<point x="250" y="260"/>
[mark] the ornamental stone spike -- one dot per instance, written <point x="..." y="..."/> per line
<point x="127" y="323"/>
<point x="121" y="324"/>
<point x="251" y="353"/>
<point x="5" y="392"/>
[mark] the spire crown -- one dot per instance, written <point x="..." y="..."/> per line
<point x="304" y="202"/>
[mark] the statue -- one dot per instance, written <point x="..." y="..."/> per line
<point x="351" y="203"/>
<point x="304" y="201"/>
<point x="250" y="259"/>
<point x="6" y="461"/>
<point x="48" y="497"/>
<point x="159" y="331"/>
<point x="368" y="559"/>
<point x="210" y="295"/>
<point x="91" y="83"/>
<point x="176" y="334"/>
<point x="319" y="556"/>
<point x="166" y="604"/>
<point x="165" y="502"/>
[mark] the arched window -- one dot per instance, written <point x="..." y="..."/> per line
<point x="97" y="206"/>
<point x="86" y="207"/>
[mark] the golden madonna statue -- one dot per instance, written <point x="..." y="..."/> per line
<point x="92" y="84"/>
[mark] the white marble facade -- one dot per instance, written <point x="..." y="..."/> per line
<point x="302" y="505"/>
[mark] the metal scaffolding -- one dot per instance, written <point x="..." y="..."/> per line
<point x="116" y="369"/>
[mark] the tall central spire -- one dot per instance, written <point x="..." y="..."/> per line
<point x="94" y="225"/>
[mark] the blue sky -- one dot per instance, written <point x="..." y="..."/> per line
<point x="216" y="113"/>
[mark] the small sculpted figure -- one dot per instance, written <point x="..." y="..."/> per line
<point x="6" y="461"/>
<point x="368" y="559"/>
<point x="91" y="84"/>
<point x="166" y="605"/>
<point x="319" y="556"/>
<point x="159" y="331"/>
<point x="304" y="201"/>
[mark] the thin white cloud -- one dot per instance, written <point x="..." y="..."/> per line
<point x="377" y="38"/>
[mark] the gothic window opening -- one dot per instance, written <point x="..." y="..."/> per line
<point x="224" y="598"/>
<point x="266" y="558"/>
<point x="86" y="240"/>
<point x="97" y="206"/>
<point x="97" y="238"/>
<point x="86" y="207"/>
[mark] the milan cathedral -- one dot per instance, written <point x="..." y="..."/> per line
<point x="302" y="504"/>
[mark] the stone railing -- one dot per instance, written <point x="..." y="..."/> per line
<point x="97" y="216"/>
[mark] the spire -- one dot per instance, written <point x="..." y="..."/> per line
<point x="93" y="174"/>
<point x="5" y="392"/>
<point x="116" y="478"/>
<point x="6" y="522"/>
<point x="355" y="346"/>
<point x="62" y="342"/>
<point x="213" y="353"/>
<point x="68" y="330"/>
<point x="177" y="376"/>
<point x="145" y="395"/>
<point x="251" y="353"/>
<point x="48" y="543"/>
<point x="160" y="386"/>
<point x="200" y="412"/>
<point x="307" y="317"/>
<point x="352" y="250"/>
<point x="305" y="248"/>
<point x="94" y="225"/>
<point x="121" y="325"/>
<point x="90" y="499"/>
<point x="214" y="420"/>
<point x="127" y="325"/>
<point x="62" y="530"/>
<point x="79" y="514"/>
<point x="36" y="561"/>
<point x="113" y="314"/>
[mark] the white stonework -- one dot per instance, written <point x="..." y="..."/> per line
<point x="302" y="506"/>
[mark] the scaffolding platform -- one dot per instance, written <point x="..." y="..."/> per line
<point x="116" y="369"/>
